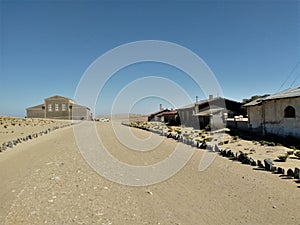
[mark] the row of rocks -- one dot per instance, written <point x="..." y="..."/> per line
<point x="194" y="142"/>
<point x="239" y="156"/>
<point x="268" y="164"/>
<point x="10" y="144"/>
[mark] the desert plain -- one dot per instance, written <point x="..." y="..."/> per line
<point x="46" y="180"/>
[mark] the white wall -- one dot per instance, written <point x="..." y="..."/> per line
<point x="255" y="116"/>
<point x="270" y="116"/>
<point x="276" y="123"/>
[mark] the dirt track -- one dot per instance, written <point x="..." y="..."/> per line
<point x="47" y="181"/>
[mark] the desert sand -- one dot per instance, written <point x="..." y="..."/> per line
<point x="47" y="181"/>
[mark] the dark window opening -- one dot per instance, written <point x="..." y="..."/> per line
<point x="289" y="112"/>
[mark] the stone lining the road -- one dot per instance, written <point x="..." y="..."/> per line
<point x="194" y="141"/>
<point x="10" y="144"/>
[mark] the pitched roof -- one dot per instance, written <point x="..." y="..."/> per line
<point x="159" y="112"/>
<point x="36" y="107"/>
<point x="58" y="96"/>
<point x="288" y="93"/>
<point x="208" y="101"/>
<point x="79" y="106"/>
<point x="173" y="112"/>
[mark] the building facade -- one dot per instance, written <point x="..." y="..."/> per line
<point x="277" y="114"/>
<point x="59" y="107"/>
<point x="211" y="112"/>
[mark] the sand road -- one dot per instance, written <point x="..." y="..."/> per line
<point x="47" y="181"/>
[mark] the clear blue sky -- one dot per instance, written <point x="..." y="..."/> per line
<point x="46" y="46"/>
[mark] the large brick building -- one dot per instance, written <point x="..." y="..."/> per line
<point x="58" y="107"/>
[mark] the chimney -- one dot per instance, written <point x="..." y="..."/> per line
<point x="210" y="97"/>
<point x="160" y="107"/>
<point x="196" y="98"/>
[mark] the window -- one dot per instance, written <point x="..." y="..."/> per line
<point x="56" y="107"/>
<point x="50" y="107"/>
<point x="289" y="112"/>
<point x="63" y="107"/>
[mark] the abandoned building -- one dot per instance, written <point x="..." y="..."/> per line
<point x="58" y="107"/>
<point x="277" y="114"/>
<point x="169" y="117"/>
<point x="209" y="112"/>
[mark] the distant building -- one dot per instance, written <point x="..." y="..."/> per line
<point x="156" y="117"/>
<point x="170" y="117"/>
<point x="58" y="107"/>
<point x="200" y="114"/>
<point x="277" y="114"/>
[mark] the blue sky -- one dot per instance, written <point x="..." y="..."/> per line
<point x="46" y="46"/>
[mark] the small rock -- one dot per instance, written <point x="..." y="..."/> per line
<point x="259" y="164"/>
<point x="268" y="163"/>
<point x="55" y="178"/>
<point x="273" y="168"/>
<point x="34" y="212"/>
<point x="290" y="173"/>
<point x="297" y="173"/>
<point x="149" y="192"/>
<point x="280" y="170"/>
<point x="10" y="144"/>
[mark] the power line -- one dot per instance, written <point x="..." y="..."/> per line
<point x="289" y="75"/>
<point x="295" y="79"/>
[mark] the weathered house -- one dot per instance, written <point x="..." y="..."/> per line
<point x="156" y="117"/>
<point x="170" y="117"/>
<point x="277" y="114"/>
<point x="58" y="107"/>
<point x="209" y="112"/>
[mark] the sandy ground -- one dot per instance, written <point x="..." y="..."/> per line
<point x="261" y="152"/>
<point x="46" y="181"/>
<point x="13" y="128"/>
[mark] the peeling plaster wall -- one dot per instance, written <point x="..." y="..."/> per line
<point x="269" y="116"/>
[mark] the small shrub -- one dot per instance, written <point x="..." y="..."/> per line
<point x="283" y="158"/>
<point x="297" y="153"/>
<point x="235" y="138"/>
<point x="271" y="144"/>
<point x="268" y="143"/>
<point x="290" y="152"/>
<point x="293" y="147"/>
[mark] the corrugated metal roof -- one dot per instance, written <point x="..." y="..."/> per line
<point x="288" y="93"/>
<point x="210" y="101"/>
<point x="255" y="102"/>
<point x="174" y="112"/>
